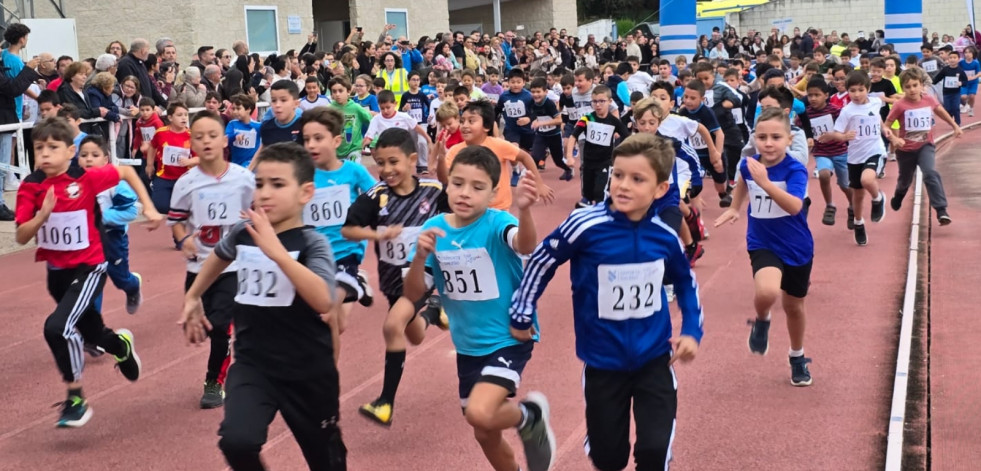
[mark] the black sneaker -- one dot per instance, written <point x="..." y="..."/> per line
<point x="75" y="412"/>
<point x="566" y="176"/>
<point x="541" y="165"/>
<point x="583" y="203"/>
<point x="896" y="202"/>
<point x="694" y="252"/>
<point x="799" y="375"/>
<point x="5" y="213"/>
<point x="368" y="298"/>
<point x="134" y="300"/>
<point x="829" y="215"/>
<point x="537" y="436"/>
<point x="434" y="314"/>
<point x="725" y="200"/>
<point x="851" y="219"/>
<point x="861" y="238"/>
<point x="879" y="208"/>
<point x="214" y="395"/>
<point x="942" y="217"/>
<point x="759" y="336"/>
<point x="128" y="365"/>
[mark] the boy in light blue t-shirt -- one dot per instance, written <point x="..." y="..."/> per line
<point x="473" y="257"/>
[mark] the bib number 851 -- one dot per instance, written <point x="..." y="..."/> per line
<point x="460" y="282"/>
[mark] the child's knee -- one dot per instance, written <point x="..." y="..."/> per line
<point x="54" y="327"/>
<point x="480" y="418"/>
<point x="237" y="446"/>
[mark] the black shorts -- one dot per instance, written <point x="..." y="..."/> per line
<point x="347" y="278"/>
<point x="873" y="163"/>
<point x="717" y="177"/>
<point x="218" y="299"/>
<point x="795" y="280"/>
<point x="419" y="304"/>
<point x="503" y="368"/>
<point x="524" y="142"/>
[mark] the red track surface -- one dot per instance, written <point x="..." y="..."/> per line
<point x="737" y="411"/>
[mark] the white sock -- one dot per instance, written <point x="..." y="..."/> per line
<point x="859" y="221"/>
<point x="878" y="197"/>
<point x="524" y="416"/>
<point x="767" y="317"/>
<point x="796" y="353"/>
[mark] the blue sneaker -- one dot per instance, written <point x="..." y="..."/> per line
<point x="75" y="412"/>
<point x="759" y="337"/>
<point x="799" y="375"/>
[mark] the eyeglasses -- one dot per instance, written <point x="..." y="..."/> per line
<point x="226" y="57"/>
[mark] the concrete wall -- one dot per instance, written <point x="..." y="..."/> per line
<point x="534" y="15"/>
<point x="189" y="23"/>
<point x="426" y="17"/>
<point x="848" y="16"/>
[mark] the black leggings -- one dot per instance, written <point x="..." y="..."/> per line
<point x="554" y="145"/>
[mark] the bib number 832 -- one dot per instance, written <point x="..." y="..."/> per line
<point x="257" y="283"/>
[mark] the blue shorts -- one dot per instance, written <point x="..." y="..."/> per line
<point x="503" y="368"/>
<point x="837" y="165"/>
<point x="970" y="88"/>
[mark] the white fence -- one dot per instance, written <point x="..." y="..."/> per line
<point x="22" y="167"/>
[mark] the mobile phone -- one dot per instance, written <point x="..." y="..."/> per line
<point x="360" y="29"/>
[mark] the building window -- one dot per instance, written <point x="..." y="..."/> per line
<point x="261" y="29"/>
<point x="400" y="18"/>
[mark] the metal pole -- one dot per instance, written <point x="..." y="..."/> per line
<point x="497" y="15"/>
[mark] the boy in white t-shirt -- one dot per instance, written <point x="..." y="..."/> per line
<point x="390" y="117"/>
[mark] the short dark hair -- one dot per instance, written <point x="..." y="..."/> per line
<point x="289" y="153"/>
<point x="397" y="137"/>
<point x="330" y="118"/>
<point x="461" y="90"/>
<point x="15" y="32"/>
<point x="54" y="128"/>
<point x="624" y="68"/>
<point x="69" y="110"/>
<point x="386" y="96"/>
<point x="485" y="110"/>
<point x="697" y="86"/>
<point x="414" y="73"/>
<point x="538" y="83"/>
<point x="48" y="96"/>
<point x="289" y="86"/>
<point x="482" y="158"/>
<point x="567" y="80"/>
<point x="516" y="73"/>
<point x="204" y="49"/>
<point x="782" y="94"/>
<point x="205" y="114"/>
<point x="663" y="86"/>
<point x="98" y="141"/>
<point x="146" y="101"/>
<point x="858" y="77"/>
<point x="494" y="71"/>
<point x="817" y="82"/>
<point x="586" y="72"/>
<point x="172" y="108"/>
<point x="702" y="67"/>
<point x="312" y="79"/>
<point x="378" y="82"/>
<point x="212" y="95"/>
<point x="340" y="79"/>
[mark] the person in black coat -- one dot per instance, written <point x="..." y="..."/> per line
<point x="132" y="64"/>
<point x="11" y="88"/>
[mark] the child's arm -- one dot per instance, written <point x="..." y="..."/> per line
<point x="415" y="283"/>
<point x="255" y="160"/>
<point x="309" y="285"/>
<point x="28" y="230"/>
<point x="151" y="158"/>
<point x="945" y="116"/>
<point x="526" y="194"/>
<point x="193" y="320"/>
<point x="422" y="132"/>
<point x="128" y="175"/>
<point x="544" y="190"/>
<point x="442" y="169"/>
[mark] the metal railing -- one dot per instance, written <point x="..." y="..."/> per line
<point x="22" y="167"/>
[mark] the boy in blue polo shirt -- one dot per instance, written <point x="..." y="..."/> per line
<point x="780" y="245"/>
<point x="473" y="257"/>
<point x="621" y="251"/>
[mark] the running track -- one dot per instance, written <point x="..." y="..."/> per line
<point x="736" y="410"/>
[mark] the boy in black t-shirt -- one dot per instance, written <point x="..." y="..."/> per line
<point x="602" y="131"/>
<point x="285" y="280"/>
<point x="546" y="120"/>
<point x="950" y="78"/>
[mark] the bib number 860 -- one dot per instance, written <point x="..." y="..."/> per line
<point x="326" y="211"/>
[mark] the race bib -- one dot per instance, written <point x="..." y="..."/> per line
<point x="930" y="66"/>
<point x="514" y="109"/>
<point x="65" y="231"/>
<point x="396" y="251"/>
<point x="761" y="206"/>
<point x="952" y="82"/>
<point x="148" y="132"/>
<point x="173" y="155"/>
<point x="545" y="119"/>
<point x="260" y="280"/>
<point x="822" y="125"/>
<point x="468" y="275"/>
<point x="867" y="130"/>
<point x="245" y="139"/>
<point x="629" y="290"/>
<point x="328" y="207"/>
<point x="879" y="95"/>
<point x="493" y="97"/>
<point x="216" y="208"/>
<point x="919" y="119"/>
<point x="737" y="115"/>
<point x="416" y="114"/>
<point x="697" y="142"/>
<point x="599" y="134"/>
<point x="709" y="99"/>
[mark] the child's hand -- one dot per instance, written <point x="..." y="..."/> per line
<point x="523" y="121"/>
<point x="153" y="218"/>
<point x="958" y="132"/>
<point x="526" y="194"/>
<point x="730" y="215"/>
<point x="898" y="141"/>
<point x="523" y="335"/>
<point x="716" y="158"/>
<point x="47" y="206"/>
<point x="189" y="248"/>
<point x="407" y="107"/>
<point x="264" y="235"/>
<point x="758" y="171"/>
<point x="850" y="135"/>
<point x="685" y="347"/>
<point x="390" y="232"/>
<point x="427" y="242"/>
<point x="535" y="124"/>
<point x="193" y="321"/>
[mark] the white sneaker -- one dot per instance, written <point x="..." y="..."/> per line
<point x="816" y="173"/>
<point x="970" y="112"/>
<point x="669" y="291"/>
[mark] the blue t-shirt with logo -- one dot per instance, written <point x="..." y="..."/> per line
<point x="769" y="226"/>
<point x="335" y="191"/>
<point x="243" y="141"/>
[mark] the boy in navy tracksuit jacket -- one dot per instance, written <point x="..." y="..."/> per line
<point x="620" y="252"/>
